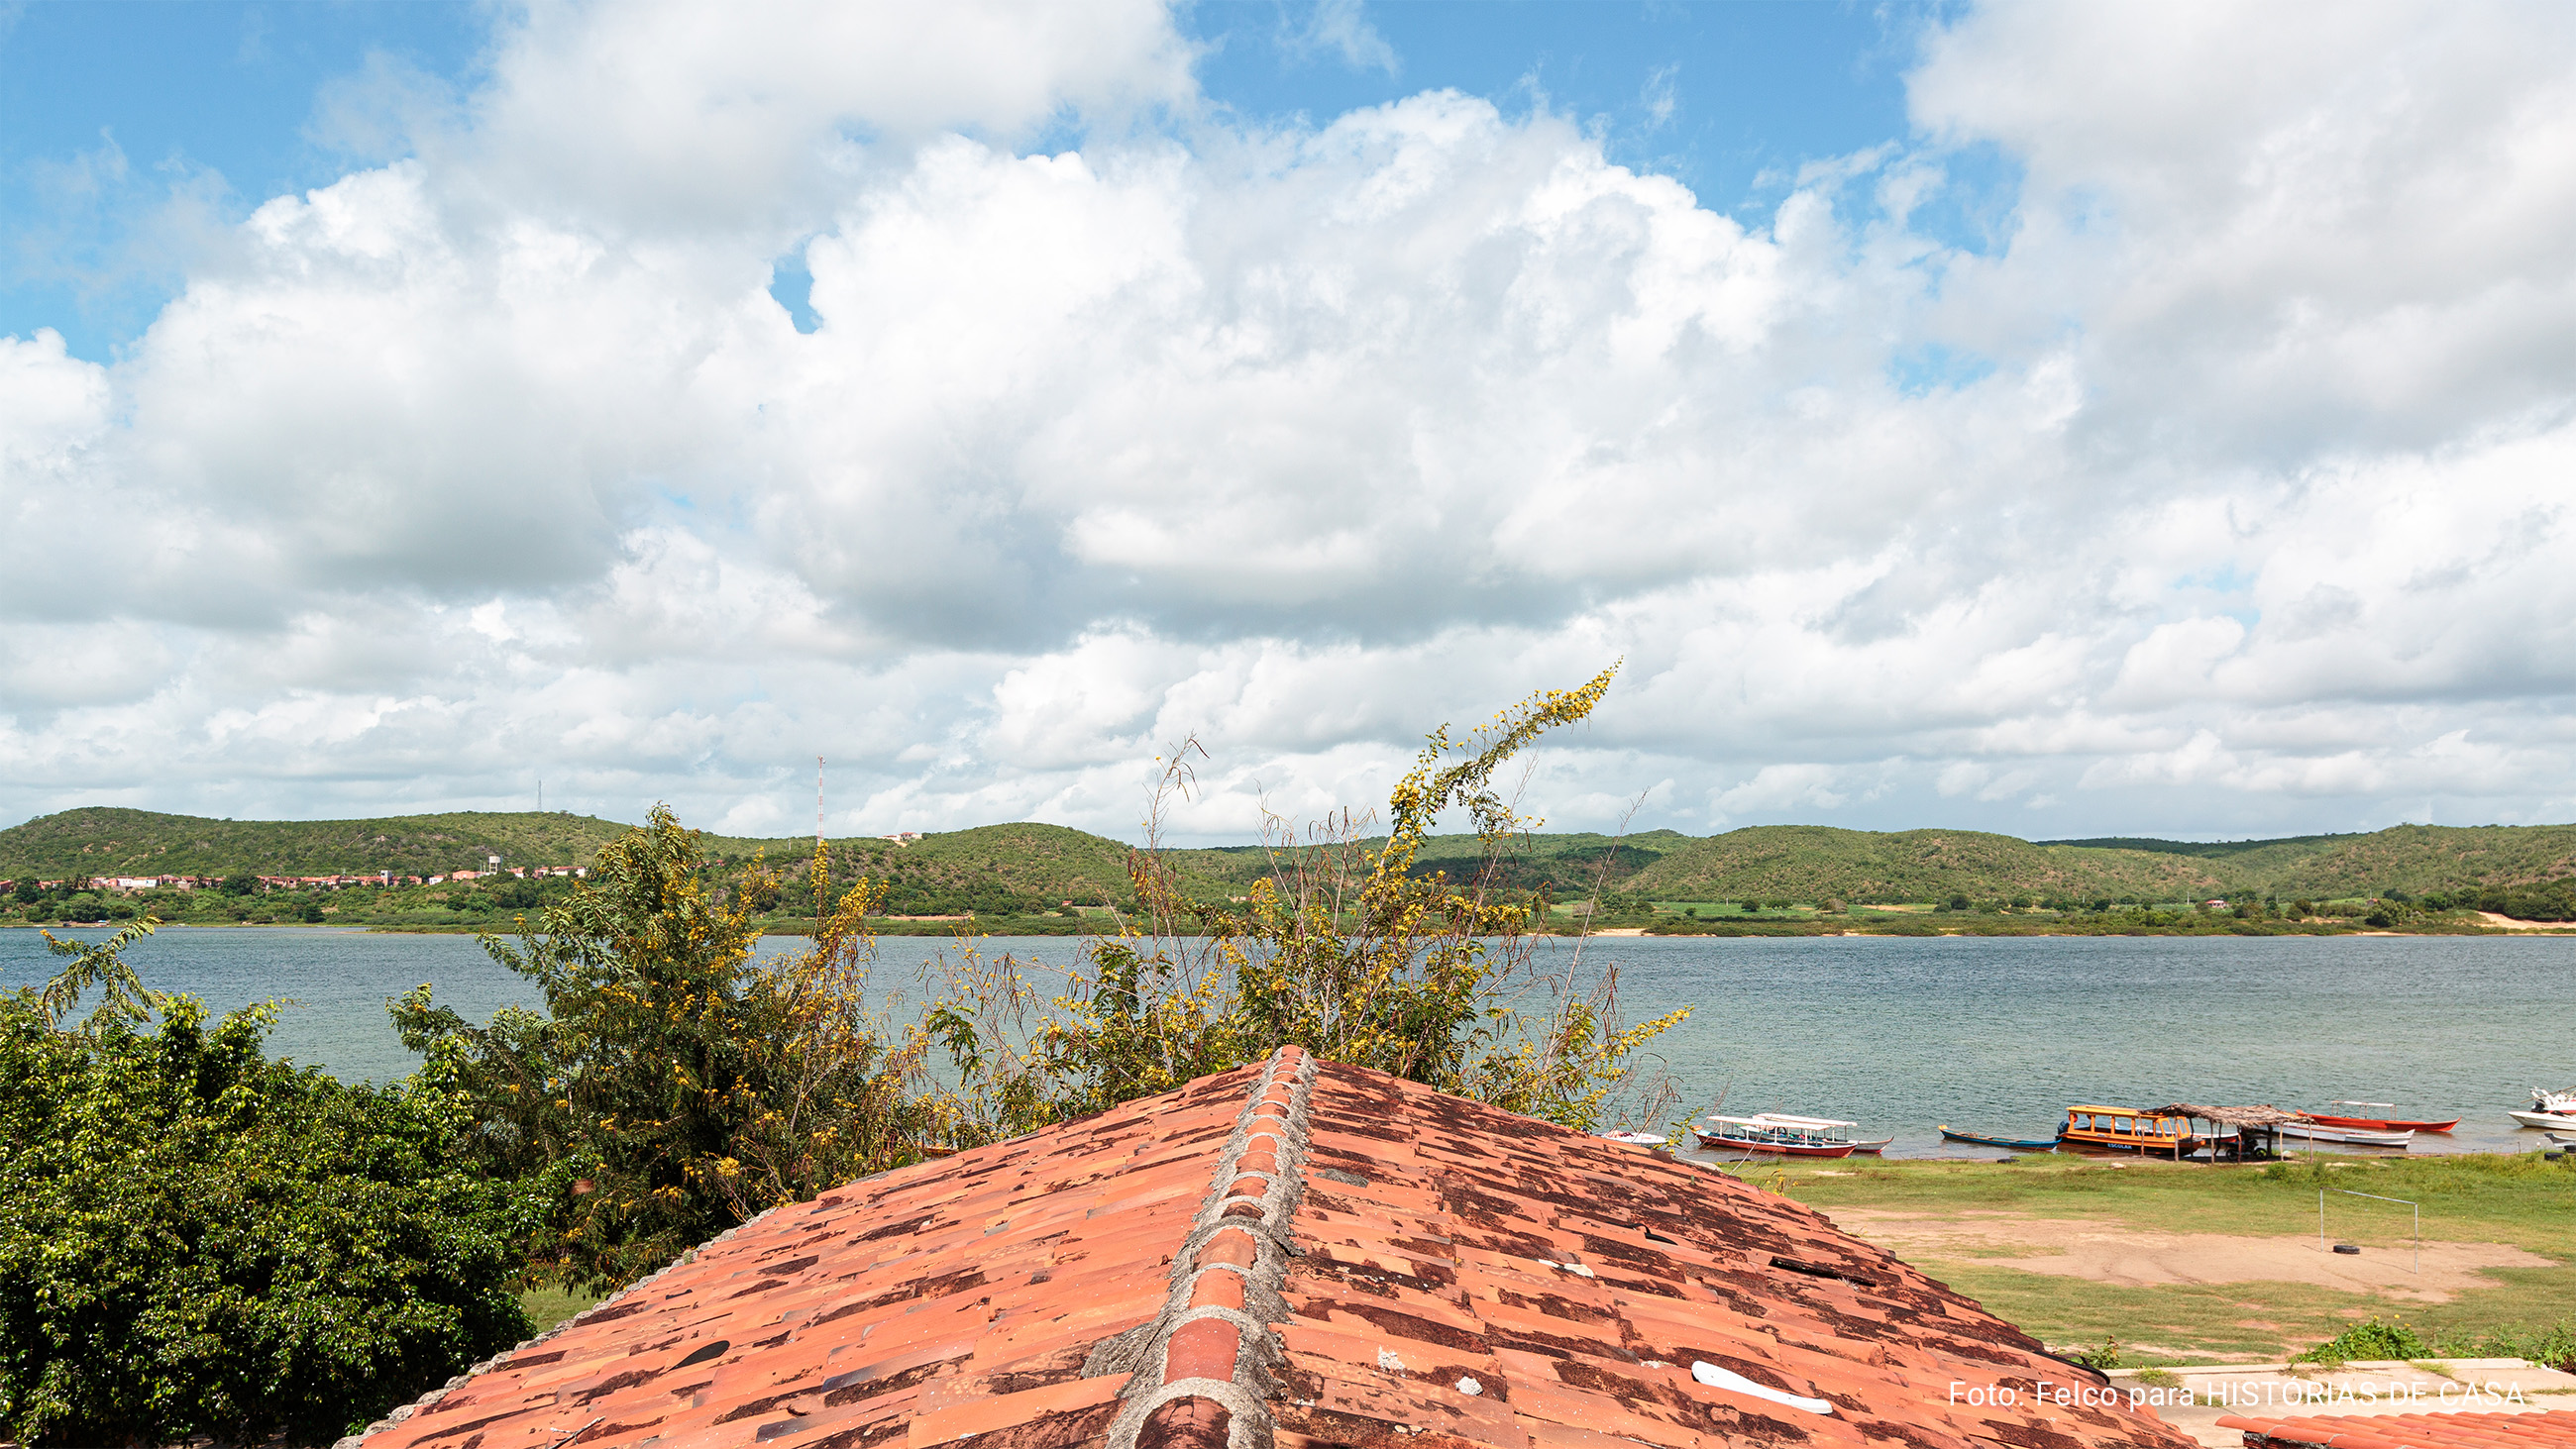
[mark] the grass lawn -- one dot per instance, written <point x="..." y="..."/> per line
<point x="550" y="1306"/>
<point x="2519" y="1201"/>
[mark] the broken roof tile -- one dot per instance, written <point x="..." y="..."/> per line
<point x="1334" y="1255"/>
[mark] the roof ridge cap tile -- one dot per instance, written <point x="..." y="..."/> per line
<point x="1209" y="1357"/>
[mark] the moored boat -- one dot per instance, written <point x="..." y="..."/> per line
<point x="2381" y="1124"/>
<point x="1768" y="1132"/>
<point x="2017" y="1144"/>
<point x="2376" y="1124"/>
<point x="2350" y="1136"/>
<point x="1638" y="1139"/>
<point x="2126" y="1129"/>
<point x="2561" y="1120"/>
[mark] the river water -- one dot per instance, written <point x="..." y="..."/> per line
<point x="1897" y="1033"/>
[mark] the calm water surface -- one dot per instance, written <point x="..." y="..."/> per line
<point x="1897" y="1033"/>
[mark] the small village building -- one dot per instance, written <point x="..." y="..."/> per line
<point x="1286" y="1256"/>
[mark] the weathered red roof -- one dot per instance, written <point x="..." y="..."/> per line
<point x="2555" y="1429"/>
<point x="1293" y="1254"/>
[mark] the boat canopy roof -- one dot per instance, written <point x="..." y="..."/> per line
<point x="2263" y="1116"/>
<point x="1783" y="1119"/>
<point x="2125" y="1111"/>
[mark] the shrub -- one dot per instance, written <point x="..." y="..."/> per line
<point x="673" y="1086"/>
<point x="202" y="1241"/>
<point x="2376" y="1340"/>
<point x="2554" y="1346"/>
<point x="2103" y="1359"/>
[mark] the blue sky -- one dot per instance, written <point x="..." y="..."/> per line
<point x="2128" y="418"/>
<point x="107" y="110"/>
<point x="125" y="126"/>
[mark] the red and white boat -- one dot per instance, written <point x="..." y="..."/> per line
<point x="1779" y="1133"/>
<point x="2378" y="1124"/>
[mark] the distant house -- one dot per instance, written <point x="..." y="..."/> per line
<point x="1297" y="1254"/>
<point x="902" y="837"/>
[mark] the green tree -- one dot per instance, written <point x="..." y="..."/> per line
<point x="673" y="1085"/>
<point x="123" y="998"/>
<point x="203" y="1241"/>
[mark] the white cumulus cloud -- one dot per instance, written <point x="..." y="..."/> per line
<point x="2223" y="491"/>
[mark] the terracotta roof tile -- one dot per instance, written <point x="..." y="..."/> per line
<point x="1328" y="1255"/>
<point x="2555" y="1429"/>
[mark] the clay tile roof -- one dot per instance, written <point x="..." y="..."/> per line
<point x="2553" y="1430"/>
<point x="1292" y="1254"/>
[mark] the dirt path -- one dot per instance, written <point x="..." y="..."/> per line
<point x="2508" y="923"/>
<point x="2138" y="1258"/>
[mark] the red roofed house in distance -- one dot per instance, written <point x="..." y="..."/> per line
<point x="1290" y="1254"/>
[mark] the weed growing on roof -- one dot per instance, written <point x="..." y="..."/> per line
<point x="1342" y="947"/>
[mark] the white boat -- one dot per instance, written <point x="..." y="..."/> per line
<point x="1774" y="1132"/>
<point x="2352" y="1136"/>
<point x="1828" y="1126"/>
<point x="2563" y="1139"/>
<point x="2553" y="1101"/>
<point x="1637" y="1139"/>
<point x="2563" y="1120"/>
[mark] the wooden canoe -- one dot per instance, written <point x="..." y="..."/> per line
<point x="2017" y="1144"/>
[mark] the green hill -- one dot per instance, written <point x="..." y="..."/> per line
<point x="2412" y="858"/>
<point x="990" y="869"/>
<point x="1816" y="863"/>
<point x="1028" y="867"/>
<point x="106" y="841"/>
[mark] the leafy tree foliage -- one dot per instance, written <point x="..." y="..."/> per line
<point x="673" y="1085"/>
<point x="202" y="1241"/>
<point x="1342" y="948"/>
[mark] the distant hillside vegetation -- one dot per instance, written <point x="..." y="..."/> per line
<point x="2206" y="849"/>
<point x="1817" y="862"/>
<point x="1566" y="866"/>
<point x="2414" y="859"/>
<point x="106" y="841"/>
<point x="1000" y="868"/>
<point x="988" y="869"/>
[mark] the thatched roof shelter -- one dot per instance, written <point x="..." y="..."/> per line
<point x="2238" y="1117"/>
